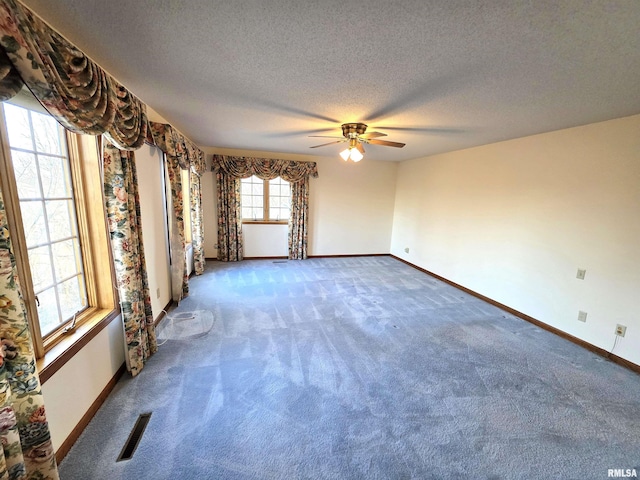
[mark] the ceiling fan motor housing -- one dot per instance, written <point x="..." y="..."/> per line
<point x="350" y="130"/>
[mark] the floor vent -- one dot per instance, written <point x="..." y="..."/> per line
<point x="134" y="437"/>
<point x="279" y="261"/>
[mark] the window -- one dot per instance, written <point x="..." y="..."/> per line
<point x="266" y="200"/>
<point x="45" y="192"/>
<point x="53" y="194"/>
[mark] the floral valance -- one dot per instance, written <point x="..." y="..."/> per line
<point x="265" y="168"/>
<point x="176" y="145"/>
<point x="195" y="156"/>
<point x="10" y="81"/>
<point x="74" y="89"/>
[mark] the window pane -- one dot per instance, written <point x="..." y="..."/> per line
<point x="257" y="213"/>
<point x="34" y="222"/>
<point x="59" y="215"/>
<point x="279" y="199"/>
<point x="66" y="259"/>
<point x="18" y="126"/>
<point x="40" y="263"/>
<point x="47" y="135"/>
<point x="56" y="182"/>
<point x="278" y="213"/>
<point x="71" y="295"/>
<point x="48" y="311"/>
<point x="246" y="187"/>
<point x="24" y="166"/>
<point x="257" y="189"/>
<point x="246" y="212"/>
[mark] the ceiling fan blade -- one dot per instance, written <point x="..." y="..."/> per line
<point x="386" y="143"/>
<point x="373" y="135"/>
<point x="325" y="136"/>
<point x="433" y="130"/>
<point x="297" y="133"/>
<point x="360" y="147"/>
<point x="330" y="143"/>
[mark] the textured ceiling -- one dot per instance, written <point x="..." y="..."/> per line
<point x="438" y="75"/>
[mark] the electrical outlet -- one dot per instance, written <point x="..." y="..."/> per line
<point x="157" y="292"/>
<point x="406" y="250"/>
<point x="581" y="273"/>
<point x="582" y="316"/>
<point x="621" y="330"/>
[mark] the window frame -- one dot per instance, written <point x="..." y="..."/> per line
<point x="57" y="347"/>
<point x="265" y="206"/>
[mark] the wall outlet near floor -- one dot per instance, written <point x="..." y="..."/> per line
<point x="621" y="330"/>
<point x="581" y="273"/>
<point x="157" y="292"/>
<point x="582" y="316"/>
<point x="406" y="249"/>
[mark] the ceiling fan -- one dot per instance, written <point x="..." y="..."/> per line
<point x="354" y="133"/>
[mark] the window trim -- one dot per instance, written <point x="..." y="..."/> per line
<point x="265" y="207"/>
<point x="54" y="350"/>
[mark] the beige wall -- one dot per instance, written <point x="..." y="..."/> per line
<point x="350" y="207"/>
<point x="265" y="240"/>
<point x="71" y="391"/>
<point x="515" y="220"/>
<point x="209" y="215"/>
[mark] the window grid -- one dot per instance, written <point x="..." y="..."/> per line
<point x="265" y="200"/>
<point x="279" y="199"/>
<point x="61" y="287"/>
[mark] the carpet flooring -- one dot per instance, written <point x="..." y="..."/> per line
<point x="359" y="368"/>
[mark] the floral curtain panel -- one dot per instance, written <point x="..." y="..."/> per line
<point x="180" y="279"/>
<point x="230" y="243"/>
<point x="27" y="452"/>
<point x="229" y="168"/>
<point x="299" y="220"/>
<point x="197" y="237"/>
<point x="125" y="228"/>
<point x="74" y="89"/>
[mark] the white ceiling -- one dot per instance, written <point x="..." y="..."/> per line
<point x="438" y="75"/>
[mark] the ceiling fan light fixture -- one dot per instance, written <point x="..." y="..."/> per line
<point x="351" y="153"/>
<point x="356" y="156"/>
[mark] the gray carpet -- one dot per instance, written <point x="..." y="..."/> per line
<point x="360" y="368"/>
